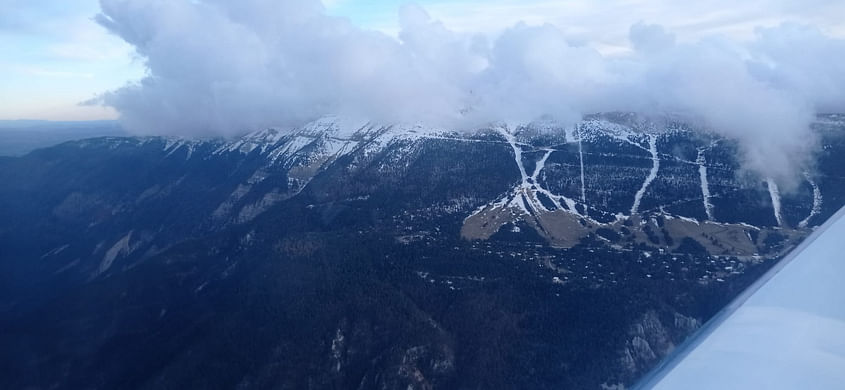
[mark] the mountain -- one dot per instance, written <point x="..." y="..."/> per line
<point x="357" y="255"/>
<point x="18" y="137"/>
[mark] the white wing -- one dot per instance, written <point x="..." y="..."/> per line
<point x="786" y="332"/>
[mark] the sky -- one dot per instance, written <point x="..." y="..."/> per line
<point x="54" y="55"/>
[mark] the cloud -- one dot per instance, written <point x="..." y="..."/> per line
<point x="219" y="68"/>
<point x="650" y="38"/>
<point x="711" y="80"/>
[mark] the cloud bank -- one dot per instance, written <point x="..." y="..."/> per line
<point x="220" y="68"/>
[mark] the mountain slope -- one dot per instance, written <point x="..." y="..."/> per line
<point x="353" y="255"/>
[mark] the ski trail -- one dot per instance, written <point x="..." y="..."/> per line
<point x="705" y="186"/>
<point x="817" y="202"/>
<point x="523" y="197"/>
<point x="652" y="148"/>
<point x="556" y="199"/>
<point x="517" y="154"/>
<point x="541" y="164"/>
<point x="525" y="194"/>
<point x="774" y="192"/>
<point x="537" y="187"/>
<point x="581" y="158"/>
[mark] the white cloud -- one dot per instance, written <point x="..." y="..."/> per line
<point x="219" y="68"/>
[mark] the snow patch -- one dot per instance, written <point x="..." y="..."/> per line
<point x="690" y="220"/>
<point x="55" y="251"/>
<point x="120" y="248"/>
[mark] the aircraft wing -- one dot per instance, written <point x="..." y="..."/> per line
<point x="787" y="331"/>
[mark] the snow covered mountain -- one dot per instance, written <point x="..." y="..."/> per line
<point x="355" y="255"/>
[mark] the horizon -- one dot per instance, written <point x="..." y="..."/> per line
<point x="59" y="56"/>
